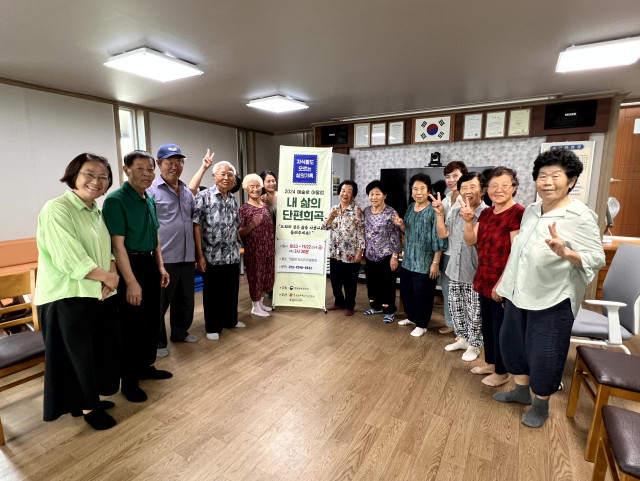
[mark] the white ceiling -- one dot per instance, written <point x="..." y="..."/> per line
<point x="344" y="58"/>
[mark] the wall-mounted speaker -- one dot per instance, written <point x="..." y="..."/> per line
<point x="334" y="134"/>
<point x="568" y="115"/>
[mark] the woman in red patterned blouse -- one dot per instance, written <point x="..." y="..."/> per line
<point x="494" y="232"/>
<point x="256" y="230"/>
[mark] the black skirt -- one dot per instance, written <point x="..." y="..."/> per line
<point x="82" y="354"/>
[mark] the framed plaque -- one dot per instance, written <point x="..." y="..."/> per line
<point x="495" y="124"/>
<point x="432" y="129"/>
<point x="472" y="127"/>
<point x="379" y="134"/>
<point x="362" y="135"/>
<point x="396" y="133"/>
<point x="519" y="121"/>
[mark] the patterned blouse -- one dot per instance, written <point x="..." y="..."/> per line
<point x="218" y="218"/>
<point x="494" y="245"/>
<point x="382" y="236"/>
<point x="259" y="243"/>
<point x="347" y="233"/>
<point x="421" y="239"/>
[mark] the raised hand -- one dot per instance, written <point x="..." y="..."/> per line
<point x="397" y="220"/>
<point x="255" y="222"/>
<point x="207" y="160"/>
<point x="556" y="243"/>
<point x="437" y="204"/>
<point x="466" y="212"/>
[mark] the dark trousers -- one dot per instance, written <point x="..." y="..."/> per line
<point x="220" y="296"/>
<point x="344" y="274"/>
<point x="139" y="324"/>
<point x="536" y="343"/>
<point x="492" y="314"/>
<point x="417" y="292"/>
<point x="178" y="294"/>
<point x="381" y="285"/>
<point x="81" y="354"/>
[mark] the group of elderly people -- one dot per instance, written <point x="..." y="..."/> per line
<point x="107" y="277"/>
<point x="513" y="279"/>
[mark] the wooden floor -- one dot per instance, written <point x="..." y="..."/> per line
<point x="303" y="396"/>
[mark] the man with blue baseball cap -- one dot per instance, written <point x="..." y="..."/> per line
<point x="174" y="205"/>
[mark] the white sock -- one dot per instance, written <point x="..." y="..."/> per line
<point x="263" y="307"/>
<point x="256" y="311"/>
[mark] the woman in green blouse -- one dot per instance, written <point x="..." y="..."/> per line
<point x="422" y="251"/>
<point x="74" y="294"/>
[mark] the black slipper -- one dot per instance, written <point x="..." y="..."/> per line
<point x="104" y="405"/>
<point x="99" y="420"/>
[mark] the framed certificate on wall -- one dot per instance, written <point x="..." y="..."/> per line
<point x="396" y="133"/>
<point x="495" y="124"/>
<point x="519" y="121"/>
<point x="362" y="135"/>
<point x="379" y="134"/>
<point x="472" y="127"/>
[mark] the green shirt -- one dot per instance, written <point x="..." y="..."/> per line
<point x="535" y="278"/>
<point x="421" y="239"/>
<point x="132" y="216"/>
<point x="72" y="241"/>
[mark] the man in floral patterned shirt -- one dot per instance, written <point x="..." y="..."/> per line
<point x="215" y="230"/>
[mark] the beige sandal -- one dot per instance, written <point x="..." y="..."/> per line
<point x="489" y="381"/>
<point x="482" y="370"/>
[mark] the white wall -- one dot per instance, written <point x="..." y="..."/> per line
<point x="193" y="138"/>
<point x="268" y="149"/>
<point x="41" y="133"/>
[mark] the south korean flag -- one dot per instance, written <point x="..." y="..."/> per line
<point x="432" y="129"/>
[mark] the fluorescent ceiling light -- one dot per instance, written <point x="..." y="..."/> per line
<point x="277" y="104"/>
<point x="154" y="65"/>
<point x="599" y="55"/>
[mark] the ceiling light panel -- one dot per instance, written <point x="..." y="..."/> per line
<point x="277" y="104"/>
<point x="154" y="65"/>
<point x="613" y="53"/>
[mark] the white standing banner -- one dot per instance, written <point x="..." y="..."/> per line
<point x="304" y="201"/>
<point x="584" y="150"/>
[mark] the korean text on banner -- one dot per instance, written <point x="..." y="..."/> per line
<point x="304" y="201"/>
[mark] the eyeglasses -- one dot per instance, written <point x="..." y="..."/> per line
<point x="228" y="175"/>
<point x="92" y="176"/>
<point x="501" y="186"/>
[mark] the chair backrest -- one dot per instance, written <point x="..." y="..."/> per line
<point x="17" y="285"/>
<point x="622" y="284"/>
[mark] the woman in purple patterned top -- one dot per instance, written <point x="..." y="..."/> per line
<point x="383" y="241"/>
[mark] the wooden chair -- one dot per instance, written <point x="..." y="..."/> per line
<point x="23" y="350"/>
<point x="603" y="374"/>
<point x="619" y="445"/>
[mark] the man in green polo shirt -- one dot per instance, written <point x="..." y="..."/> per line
<point x="130" y="215"/>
